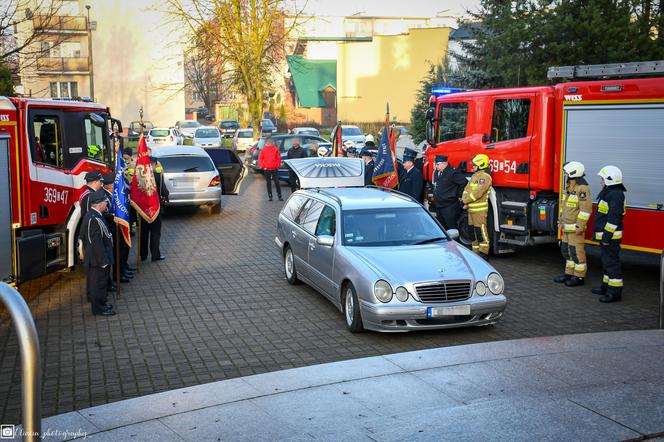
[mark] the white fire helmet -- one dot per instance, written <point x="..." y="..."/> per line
<point x="369" y="138"/>
<point x="611" y="174"/>
<point x="574" y="169"/>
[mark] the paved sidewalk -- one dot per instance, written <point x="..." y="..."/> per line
<point x="600" y="386"/>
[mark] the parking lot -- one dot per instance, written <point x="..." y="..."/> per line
<point x="219" y="307"/>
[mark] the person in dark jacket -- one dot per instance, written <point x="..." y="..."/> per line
<point x="98" y="244"/>
<point x="295" y="152"/>
<point x="411" y="181"/>
<point x="609" y="232"/>
<point x="109" y="216"/>
<point x="448" y="183"/>
<point x="93" y="182"/>
<point x="270" y="160"/>
<point x="368" y="158"/>
<point x="151" y="232"/>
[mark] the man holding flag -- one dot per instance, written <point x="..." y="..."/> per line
<point x="121" y="216"/>
<point x="385" y="169"/>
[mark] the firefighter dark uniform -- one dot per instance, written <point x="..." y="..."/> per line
<point x="411" y="181"/>
<point x="369" y="165"/>
<point x="93" y="182"/>
<point x="446" y="187"/>
<point x="609" y="232"/>
<point x="476" y="198"/>
<point x="98" y="244"/>
<point x="575" y="210"/>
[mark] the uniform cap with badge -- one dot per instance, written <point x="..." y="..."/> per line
<point x="95" y="175"/>
<point x="98" y="196"/>
<point x="409" y="155"/>
<point x="108" y="178"/>
<point x="440" y="159"/>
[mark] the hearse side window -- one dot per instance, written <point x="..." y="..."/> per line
<point x="327" y="223"/>
<point x="510" y="119"/>
<point x="46" y="145"/>
<point x="452" y="119"/>
<point x="293" y="207"/>
<point x="309" y="215"/>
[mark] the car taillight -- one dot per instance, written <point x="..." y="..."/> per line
<point x="216" y="181"/>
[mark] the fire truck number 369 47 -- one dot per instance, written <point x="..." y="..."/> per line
<point x="505" y="166"/>
<point x="55" y="195"/>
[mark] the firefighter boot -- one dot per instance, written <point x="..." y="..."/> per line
<point x="562" y="279"/>
<point x="574" y="281"/>
<point x="599" y="290"/>
<point x="608" y="297"/>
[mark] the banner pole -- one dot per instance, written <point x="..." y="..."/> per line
<point x="139" y="221"/>
<point x="118" y="284"/>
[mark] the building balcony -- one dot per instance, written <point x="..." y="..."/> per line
<point x="51" y="65"/>
<point x="60" y="24"/>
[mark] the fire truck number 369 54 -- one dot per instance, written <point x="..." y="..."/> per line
<point x="55" y="195"/>
<point x="505" y="166"/>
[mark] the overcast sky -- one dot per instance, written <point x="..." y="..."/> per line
<point x="409" y="8"/>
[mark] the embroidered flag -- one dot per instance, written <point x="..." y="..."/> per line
<point x="144" y="194"/>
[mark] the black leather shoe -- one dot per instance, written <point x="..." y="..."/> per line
<point x="280" y="198"/>
<point x="159" y="258"/>
<point x="131" y="269"/>
<point x="574" y="281"/>
<point x="562" y="279"/>
<point x="124" y="280"/>
<point x="127" y="275"/>
<point x="269" y="197"/>
<point x="109" y="312"/>
<point x="598" y="291"/>
<point x="610" y="298"/>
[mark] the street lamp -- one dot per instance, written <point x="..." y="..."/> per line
<point x="90" y="61"/>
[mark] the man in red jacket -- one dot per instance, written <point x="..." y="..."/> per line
<point x="269" y="160"/>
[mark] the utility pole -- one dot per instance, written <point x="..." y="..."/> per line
<point x="90" y="60"/>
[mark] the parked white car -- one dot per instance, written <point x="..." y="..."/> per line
<point x="207" y="136"/>
<point x="164" y="136"/>
<point x="187" y="127"/>
<point x="243" y="140"/>
<point x="305" y="131"/>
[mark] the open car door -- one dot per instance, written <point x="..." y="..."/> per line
<point x="230" y="167"/>
<point x="328" y="171"/>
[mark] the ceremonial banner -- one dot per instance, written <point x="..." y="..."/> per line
<point x="143" y="193"/>
<point x="120" y="207"/>
<point x="385" y="171"/>
<point x="337" y="145"/>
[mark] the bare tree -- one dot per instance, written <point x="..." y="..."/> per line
<point x="248" y="34"/>
<point x="25" y="25"/>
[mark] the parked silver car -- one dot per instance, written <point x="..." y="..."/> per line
<point x="379" y="256"/>
<point x="207" y="136"/>
<point x="191" y="177"/>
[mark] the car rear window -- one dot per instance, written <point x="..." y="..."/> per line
<point x="268" y="123"/>
<point x="229" y="125"/>
<point x="351" y="131"/>
<point x="221" y="156"/>
<point x="187" y="163"/>
<point x="245" y="134"/>
<point x="207" y="133"/>
<point x="189" y="124"/>
<point x="160" y="133"/>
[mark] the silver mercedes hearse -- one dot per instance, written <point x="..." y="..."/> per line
<point x="379" y="256"/>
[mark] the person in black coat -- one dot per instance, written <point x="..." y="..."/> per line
<point x="93" y="182"/>
<point x="98" y="243"/>
<point x="411" y="181"/>
<point x="368" y="158"/>
<point x="295" y="152"/>
<point x="448" y="183"/>
<point x="151" y="232"/>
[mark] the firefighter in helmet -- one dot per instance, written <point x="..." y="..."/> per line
<point x="608" y="231"/>
<point x="574" y="214"/>
<point x="476" y="200"/>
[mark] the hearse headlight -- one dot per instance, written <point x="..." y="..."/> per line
<point x="496" y="283"/>
<point x="383" y="291"/>
<point x="480" y="288"/>
<point x="402" y="294"/>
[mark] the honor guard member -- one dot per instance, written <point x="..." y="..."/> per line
<point x="98" y="243"/>
<point x="93" y="182"/>
<point x="109" y="217"/>
<point x="476" y="199"/>
<point x="368" y="158"/>
<point x="608" y="231"/>
<point x="447" y="183"/>
<point x="574" y="214"/>
<point x="151" y="232"/>
<point x="411" y="181"/>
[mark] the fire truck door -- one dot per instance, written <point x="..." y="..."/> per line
<point x="6" y="243"/>
<point x="510" y="130"/>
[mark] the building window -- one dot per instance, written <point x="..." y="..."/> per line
<point x="67" y="49"/>
<point x="452" y="119"/>
<point x="510" y="119"/>
<point x="64" y="89"/>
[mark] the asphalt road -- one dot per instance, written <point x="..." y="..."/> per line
<point x="219" y="307"/>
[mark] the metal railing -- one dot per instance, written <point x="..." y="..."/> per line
<point x="28" y="341"/>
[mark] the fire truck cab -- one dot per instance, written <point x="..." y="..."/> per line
<point x="46" y="148"/>
<point x="530" y="132"/>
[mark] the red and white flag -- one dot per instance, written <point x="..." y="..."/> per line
<point x="144" y="193"/>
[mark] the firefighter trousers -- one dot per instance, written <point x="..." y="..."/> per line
<point x="477" y="220"/>
<point x="574" y="251"/>
<point x="612" y="282"/>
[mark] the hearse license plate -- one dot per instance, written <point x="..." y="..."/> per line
<point x="433" y="312"/>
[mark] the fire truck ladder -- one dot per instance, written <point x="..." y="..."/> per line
<point x="605" y="71"/>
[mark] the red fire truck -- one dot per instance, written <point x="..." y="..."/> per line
<point x="601" y="116"/>
<point x="46" y="147"/>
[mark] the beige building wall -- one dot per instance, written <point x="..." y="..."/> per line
<point x="137" y="61"/>
<point x="387" y="69"/>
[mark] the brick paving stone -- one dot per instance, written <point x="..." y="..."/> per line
<point x="219" y="307"/>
